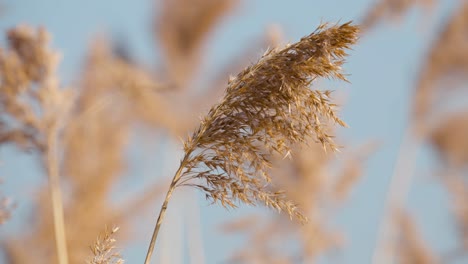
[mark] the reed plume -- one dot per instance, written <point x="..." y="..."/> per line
<point x="266" y="109"/>
<point x="447" y="58"/>
<point x="108" y="100"/>
<point x="104" y="249"/>
<point x="182" y="28"/>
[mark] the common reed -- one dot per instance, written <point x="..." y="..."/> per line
<point x="266" y="109"/>
<point x="104" y="249"/>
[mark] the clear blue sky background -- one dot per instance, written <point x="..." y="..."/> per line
<point x="383" y="67"/>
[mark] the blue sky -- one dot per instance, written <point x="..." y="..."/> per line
<point x="384" y="66"/>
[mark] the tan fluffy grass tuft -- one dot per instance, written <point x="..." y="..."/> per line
<point x="266" y="109"/>
<point x="104" y="249"/>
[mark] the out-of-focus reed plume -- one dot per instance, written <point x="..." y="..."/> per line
<point x="114" y="96"/>
<point x="442" y="85"/>
<point x="182" y="28"/>
<point x="126" y="84"/>
<point x="94" y="147"/>
<point x="30" y="98"/>
<point x="34" y="110"/>
<point x="111" y="96"/>
<point x="445" y="68"/>
<point x="393" y="9"/>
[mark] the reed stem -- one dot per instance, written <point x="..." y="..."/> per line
<point x="162" y="212"/>
<point x="56" y="197"/>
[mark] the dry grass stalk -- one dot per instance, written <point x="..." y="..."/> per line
<point x="266" y="109"/>
<point x="104" y="249"/>
<point x="34" y="109"/>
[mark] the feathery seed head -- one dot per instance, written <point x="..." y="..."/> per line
<point x="267" y="108"/>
